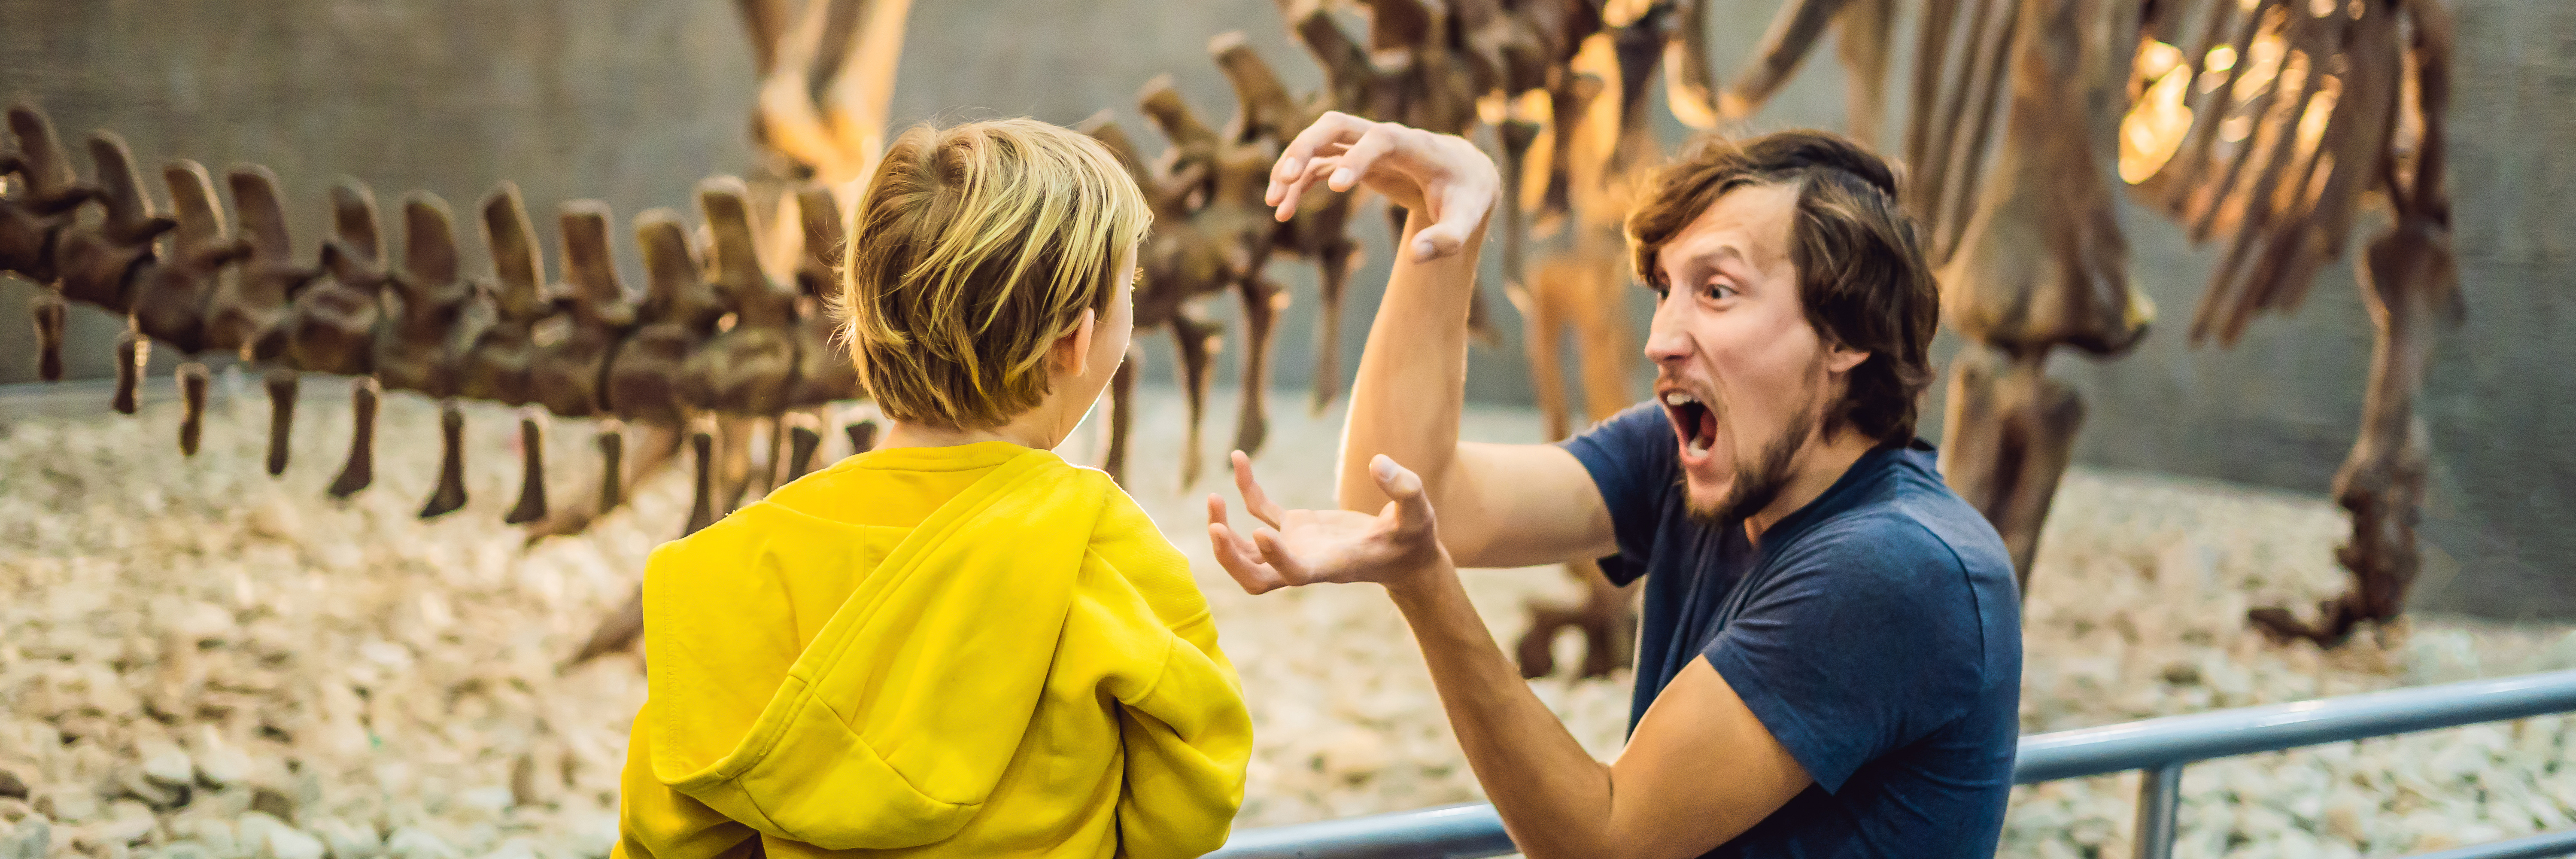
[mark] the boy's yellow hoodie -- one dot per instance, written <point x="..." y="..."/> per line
<point x="965" y="651"/>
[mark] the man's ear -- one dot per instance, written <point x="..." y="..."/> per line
<point x="1072" y="352"/>
<point x="1840" y="359"/>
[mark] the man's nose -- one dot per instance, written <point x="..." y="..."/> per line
<point x="1666" y="342"/>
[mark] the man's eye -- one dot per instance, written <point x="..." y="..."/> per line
<point x="1714" y="291"/>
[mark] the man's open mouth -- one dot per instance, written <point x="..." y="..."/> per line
<point x="1693" y="422"/>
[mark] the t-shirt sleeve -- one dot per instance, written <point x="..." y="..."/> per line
<point x="1630" y="457"/>
<point x="1847" y="661"/>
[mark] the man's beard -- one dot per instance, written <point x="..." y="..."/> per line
<point x="1758" y="483"/>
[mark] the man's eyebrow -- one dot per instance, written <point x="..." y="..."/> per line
<point x="1708" y="259"/>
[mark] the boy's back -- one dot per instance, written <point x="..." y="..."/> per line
<point x="975" y="650"/>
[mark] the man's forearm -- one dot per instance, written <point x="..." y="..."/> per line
<point x="1413" y="373"/>
<point x="1554" y="798"/>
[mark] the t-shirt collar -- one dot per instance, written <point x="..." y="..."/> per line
<point x="1836" y="498"/>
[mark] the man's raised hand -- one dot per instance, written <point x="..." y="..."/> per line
<point x="1396" y="547"/>
<point x="1440" y="175"/>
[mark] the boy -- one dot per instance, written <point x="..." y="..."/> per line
<point x="955" y="645"/>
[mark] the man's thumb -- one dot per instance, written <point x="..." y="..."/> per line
<point x="1401" y="485"/>
<point x="1436" y="241"/>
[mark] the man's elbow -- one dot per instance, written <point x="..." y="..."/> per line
<point x="1566" y="842"/>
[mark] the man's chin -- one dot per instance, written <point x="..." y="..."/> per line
<point x="1706" y="500"/>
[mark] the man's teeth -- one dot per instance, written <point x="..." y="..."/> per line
<point x="1677" y="399"/>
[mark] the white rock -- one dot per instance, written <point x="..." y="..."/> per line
<point x="594" y="834"/>
<point x="1353" y="754"/>
<point x="218" y="837"/>
<point x="67" y="804"/>
<point x="515" y="848"/>
<point x="285" y="842"/>
<point x="2560" y="655"/>
<point x="219" y="763"/>
<point x="2186" y="570"/>
<point x="490" y="798"/>
<point x="347" y="840"/>
<point x="202" y="622"/>
<point x="412" y="843"/>
<point x="32" y="837"/>
<point x="276" y="517"/>
<point x="2344" y="812"/>
<point x="128" y="822"/>
<point x="255" y="828"/>
<point x="2441" y="656"/>
<point x="164" y="762"/>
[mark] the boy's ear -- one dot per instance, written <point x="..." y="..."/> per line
<point x="1073" y="350"/>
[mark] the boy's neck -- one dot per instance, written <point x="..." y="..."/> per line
<point x="904" y="434"/>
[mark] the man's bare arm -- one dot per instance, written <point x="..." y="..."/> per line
<point x="1699" y="770"/>
<point x="1502" y="505"/>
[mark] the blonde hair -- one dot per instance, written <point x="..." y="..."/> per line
<point x="974" y="249"/>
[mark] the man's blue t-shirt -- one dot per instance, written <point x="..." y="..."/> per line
<point x="1876" y="632"/>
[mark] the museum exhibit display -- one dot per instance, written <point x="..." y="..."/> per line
<point x="326" y="490"/>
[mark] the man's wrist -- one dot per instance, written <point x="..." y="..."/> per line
<point x="1425" y="583"/>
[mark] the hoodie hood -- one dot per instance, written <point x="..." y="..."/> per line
<point x="890" y="725"/>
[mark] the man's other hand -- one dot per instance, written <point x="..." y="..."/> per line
<point x="1440" y="175"/>
<point x="1396" y="547"/>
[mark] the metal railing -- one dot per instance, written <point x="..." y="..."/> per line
<point x="2159" y="747"/>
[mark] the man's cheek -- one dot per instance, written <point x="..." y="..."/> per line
<point x="1723" y="455"/>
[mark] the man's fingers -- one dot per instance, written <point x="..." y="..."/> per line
<point x="1315" y="166"/>
<point x="1217" y="519"/>
<point x="1363" y="155"/>
<point x="1251" y="574"/>
<point x="1282" y="564"/>
<point x="1255" y="499"/>
<point x="1333" y="126"/>
<point x="1315" y="170"/>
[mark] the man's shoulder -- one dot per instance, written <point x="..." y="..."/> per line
<point x="1876" y="553"/>
<point x="1909" y="543"/>
<point x="1907" y="513"/>
<point x="1639" y="439"/>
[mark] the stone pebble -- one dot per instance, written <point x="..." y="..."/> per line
<point x="203" y="662"/>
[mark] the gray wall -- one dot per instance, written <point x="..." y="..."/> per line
<point x="632" y="102"/>
<point x="2283" y="406"/>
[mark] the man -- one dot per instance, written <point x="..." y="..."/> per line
<point x="1830" y="657"/>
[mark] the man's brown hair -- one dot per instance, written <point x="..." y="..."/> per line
<point x="1861" y="274"/>
<point x="975" y="249"/>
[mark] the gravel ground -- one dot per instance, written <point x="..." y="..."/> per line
<point x="203" y="662"/>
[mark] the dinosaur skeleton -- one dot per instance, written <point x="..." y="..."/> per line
<point x="711" y="349"/>
<point x="728" y="334"/>
<point x="2323" y="102"/>
<point x="1444" y="67"/>
<point x="2270" y="139"/>
<point x="722" y="339"/>
<point x="2266" y="123"/>
<point x="1214" y="234"/>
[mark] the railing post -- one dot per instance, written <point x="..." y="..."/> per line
<point x="2158" y="798"/>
